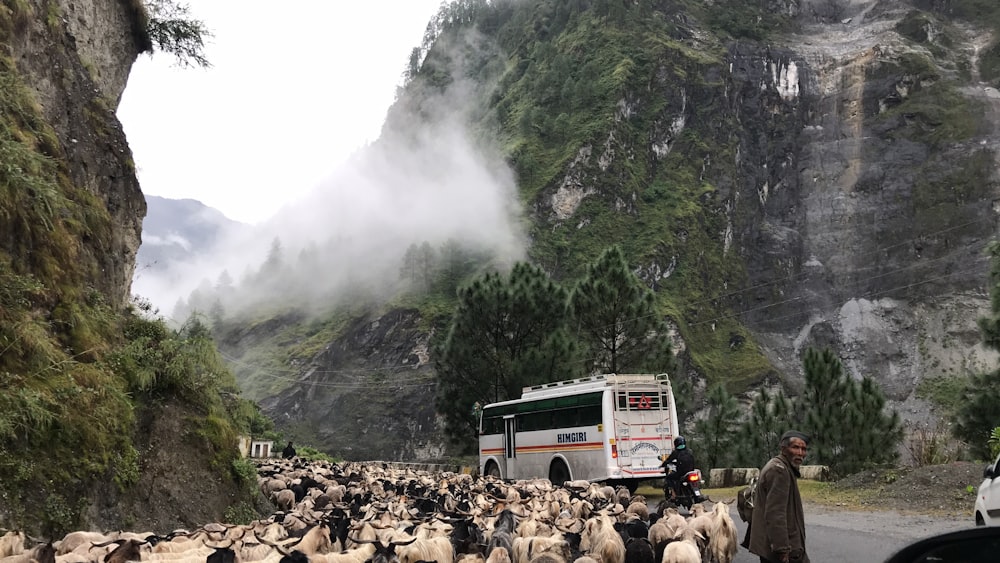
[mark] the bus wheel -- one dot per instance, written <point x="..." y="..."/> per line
<point x="558" y="472"/>
<point x="493" y="470"/>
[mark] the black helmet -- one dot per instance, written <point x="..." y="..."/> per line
<point x="680" y="443"/>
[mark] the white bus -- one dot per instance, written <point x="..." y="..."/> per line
<point x="609" y="428"/>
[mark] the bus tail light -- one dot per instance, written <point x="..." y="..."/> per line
<point x="614" y="449"/>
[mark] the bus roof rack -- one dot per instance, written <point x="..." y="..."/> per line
<point x="594" y="382"/>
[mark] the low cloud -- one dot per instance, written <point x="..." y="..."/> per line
<point x="426" y="180"/>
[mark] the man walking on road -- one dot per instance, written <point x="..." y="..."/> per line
<point x="778" y="532"/>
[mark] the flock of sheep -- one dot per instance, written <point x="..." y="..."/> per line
<point x="358" y="513"/>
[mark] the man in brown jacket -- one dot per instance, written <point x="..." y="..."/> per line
<point x="778" y="530"/>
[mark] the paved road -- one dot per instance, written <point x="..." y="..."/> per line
<point x="835" y="536"/>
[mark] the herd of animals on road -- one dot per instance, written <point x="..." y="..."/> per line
<point x="358" y="513"/>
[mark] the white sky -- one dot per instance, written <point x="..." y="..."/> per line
<point x="295" y="88"/>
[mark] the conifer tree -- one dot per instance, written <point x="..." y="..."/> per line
<point x="769" y="417"/>
<point x="716" y="434"/>
<point x="845" y="419"/>
<point x="821" y="408"/>
<point x="873" y="434"/>
<point x="505" y="334"/>
<point x="979" y="411"/>
<point x="616" y="319"/>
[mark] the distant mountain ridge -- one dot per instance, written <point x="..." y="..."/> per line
<point x="176" y="230"/>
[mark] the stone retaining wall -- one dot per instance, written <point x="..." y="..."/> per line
<point x="739" y="476"/>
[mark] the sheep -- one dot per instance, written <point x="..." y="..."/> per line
<point x="722" y="544"/>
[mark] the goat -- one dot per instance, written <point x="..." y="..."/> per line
<point x="639" y="550"/>
<point x="12" y="543"/>
<point x="385" y="553"/>
<point x="681" y="552"/>
<point x="599" y="537"/>
<point x="73" y="540"/>
<point x="428" y="549"/>
<point x="551" y="549"/>
<point x="499" y="554"/>
<point x="722" y="544"/>
<point x="127" y="550"/>
<point x="638" y="508"/>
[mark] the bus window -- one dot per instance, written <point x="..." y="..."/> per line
<point x="590" y="416"/>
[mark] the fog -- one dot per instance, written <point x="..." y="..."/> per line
<point x="426" y="180"/>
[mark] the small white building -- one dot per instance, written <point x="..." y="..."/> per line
<point x="261" y="448"/>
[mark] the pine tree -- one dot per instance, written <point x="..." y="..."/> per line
<point x="874" y="435"/>
<point x="716" y="434"/>
<point x="979" y="411"/>
<point x="505" y="334"/>
<point x="769" y="417"/>
<point x="820" y="410"/>
<point x="409" y="268"/>
<point x="845" y="419"/>
<point x="616" y="318"/>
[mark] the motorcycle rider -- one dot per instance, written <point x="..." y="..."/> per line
<point x="683" y="462"/>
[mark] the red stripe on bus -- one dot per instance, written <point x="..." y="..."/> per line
<point x="492" y="451"/>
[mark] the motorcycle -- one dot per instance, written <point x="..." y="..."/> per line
<point x="688" y="489"/>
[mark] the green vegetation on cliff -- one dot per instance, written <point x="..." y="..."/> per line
<point x="78" y="369"/>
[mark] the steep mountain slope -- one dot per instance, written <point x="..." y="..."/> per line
<point x="784" y="174"/>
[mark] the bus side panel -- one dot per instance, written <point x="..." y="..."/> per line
<point x="491" y="449"/>
<point x="580" y="446"/>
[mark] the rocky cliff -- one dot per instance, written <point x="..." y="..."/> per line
<point x="864" y="221"/>
<point x="92" y="433"/>
<point x="75" y="57"/>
